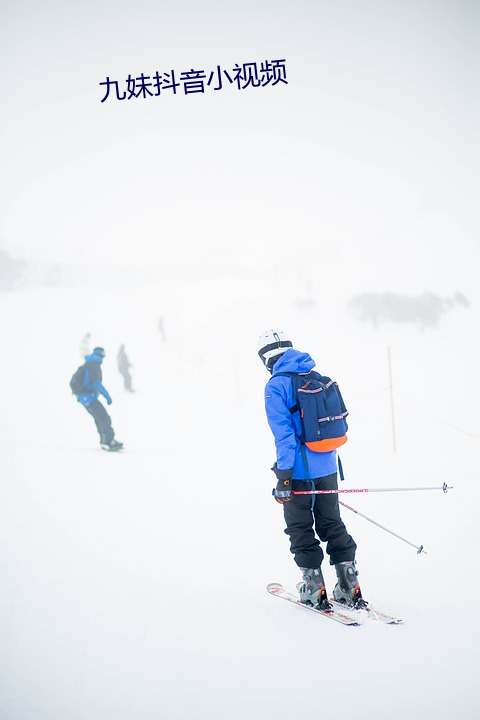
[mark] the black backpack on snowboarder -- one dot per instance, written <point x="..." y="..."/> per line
<point x="77" y="382"/>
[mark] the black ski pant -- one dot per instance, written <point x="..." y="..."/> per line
<point x="310" y="517"/>
<point x="102" y="421"/>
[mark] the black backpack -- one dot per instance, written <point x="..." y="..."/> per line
<point x="78" y="378"/>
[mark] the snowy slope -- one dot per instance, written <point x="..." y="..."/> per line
<point x="116" y="569"/>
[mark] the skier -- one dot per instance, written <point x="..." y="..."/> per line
<point x="88" y="397"/>
<point x="308" y="518"/>
<point x="161" y="329"/>
<point x="85" y="345"/>
<point x="123" y="364"/>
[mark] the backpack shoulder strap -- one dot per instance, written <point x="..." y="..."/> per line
<point x="293" y="377"/>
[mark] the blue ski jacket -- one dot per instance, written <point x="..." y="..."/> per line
<point x="93" y="381"/>
<point x="285" y="426"/>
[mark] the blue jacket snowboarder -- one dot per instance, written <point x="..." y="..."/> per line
<point x="88" y="397"/>
<point x="309" y="518"/>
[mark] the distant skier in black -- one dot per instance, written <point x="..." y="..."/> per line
<point x="87" y="386"/>
<point x="124" y="368"/>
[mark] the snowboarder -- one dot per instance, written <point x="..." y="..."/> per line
<point x="309" y="518"/>
<point x="88" y="397"/>
<point x="123" y="364"/>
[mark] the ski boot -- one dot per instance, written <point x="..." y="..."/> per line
<point x="347" y="590"/>
<point x="112" y="446"/>
<point x="312" y="589"/>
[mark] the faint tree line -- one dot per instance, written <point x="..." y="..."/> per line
<point x="11" y="270"/>
<point x="427" y="309"/>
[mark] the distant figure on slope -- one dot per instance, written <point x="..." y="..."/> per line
<point x="85" y="345"/>
<point x="303" y="464"/>
<point x="161" y="329"/>
<point x="124" y="368"/>
<point x="86" y="384"/>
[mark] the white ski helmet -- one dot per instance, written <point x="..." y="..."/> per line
<point x="271" y="344"/>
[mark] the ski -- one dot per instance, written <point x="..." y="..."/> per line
<point x="371" y="613"/>
<point x="337" y="614"/>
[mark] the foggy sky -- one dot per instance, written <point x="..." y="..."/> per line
<point x="368" y="155"/>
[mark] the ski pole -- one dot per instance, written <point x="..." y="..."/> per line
<point x="443" y="487"/>
<point x="419" y="548"/>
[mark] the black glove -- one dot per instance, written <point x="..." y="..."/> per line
<point x="282" y="474"/>
<point x="283" y="492"/>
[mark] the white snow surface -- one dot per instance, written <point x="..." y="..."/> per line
<point x="133" y="584"/>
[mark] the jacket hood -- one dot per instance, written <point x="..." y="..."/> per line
<point x="93" y="358"/>
<point x="293" y="361"/>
